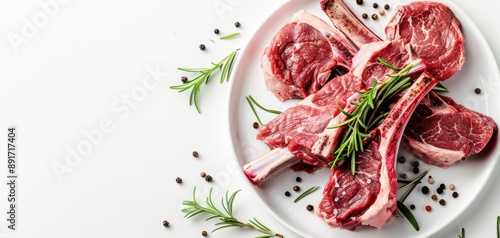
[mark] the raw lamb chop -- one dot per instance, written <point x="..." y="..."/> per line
<point x="300" y="58"/>
<point x="369" y="197"/>
<point x="302" y="129"/>
<point x="442" y="132"/>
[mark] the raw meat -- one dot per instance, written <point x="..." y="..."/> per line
<point x="369" y="196"/>
<point x="434" y="33"/>
<point x="300" y="58"/>
<point x="302" y="129"/>
<point x="442" y="132"/>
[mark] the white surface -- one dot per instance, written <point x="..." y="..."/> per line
<point x="76" y="70"/>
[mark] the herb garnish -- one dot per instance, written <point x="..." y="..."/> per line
<point x="304" y="194"/>
<point x="225" y="65"/>
<point x="463" y="233"/>
<point x="498" y="226"/>
<point x="251" y="101"/>
<point x="367" y="114"/>
<point x="403" y="211"/>
<point x="226" y="217"/>
<point x="229" y="36"/>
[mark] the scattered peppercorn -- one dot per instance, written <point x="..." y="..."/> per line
<point x="386" y="6"/>
<point x="454" y="194"/>
<point x="425" y="190"/>
<point x="430" y="180"/>
<point x="287" y="194"/>
<point x="208" y="178"/>
<point x="309" y="207"/>
<point x="401" y="159"/>
<point x="202" y="47"/>
<point x="359" y="2"/>
<point x="452" y="186"/>
<point x="216" y="31"/>
<point x="165" y="223"/>
<point x="184" y="79"/>
<point x="364" y="15"/>
<point x="416" y="170"/>
<point x="237" y="24"/>
<point x="428" y="208"/>
<point x="203" y="174"/>
<point x="404" y="176"/>
<point x="178" y="180"/>
<point x="412" y="207"/>
<point x="195" y="154"/>
<point x="375" y="5"/>
<point x="381" y="12"/>
<point x="440" y="190"/>
<point x="296" y="188"/>
<point x="434" y="197"/>
<point x="415" y="163"/>
<point x="477" y="90"/>
<point x="298" y="179"/>
<point x="374" y="16"/>
<point x="442" y="202"/>
<point x="204" y="233"/>
<point x="255" y="125"/>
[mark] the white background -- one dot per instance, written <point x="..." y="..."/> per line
<point x="84" y="66"/>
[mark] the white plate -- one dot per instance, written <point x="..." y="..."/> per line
<point x="480" y="70"/>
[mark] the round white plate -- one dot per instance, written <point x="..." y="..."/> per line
<point x="480" y="70"/>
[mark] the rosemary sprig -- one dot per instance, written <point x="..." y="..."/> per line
<point x="498" y="226"/>
<point x="251" y="101"/>
<point x="225" y="66"/>
<point x="440" y="88"/>
<point x="463" y="233"/>
<point x="229" y="36"/>
<point x="403" y="211"/>
<point x="226" y="218"/>
<point x="304" y="194"/>
<point x="367" y="113"/>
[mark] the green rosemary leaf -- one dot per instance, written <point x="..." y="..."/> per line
<point x="405" y="212"/>
<point x="440" y="88"/>
<point x="498" y="226"/>
<point x="388" y="65"/>
<point x="263" y="108"/>
<point x="307" y="192"/>
<point x="229" y="36"/>
<point x="253" y="110"/>
<point x="194" y="70"/>
<point x="416" y="180"/>
<point x="463" y="233"/>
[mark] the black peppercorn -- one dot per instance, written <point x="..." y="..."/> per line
<point x="477" y="90"/>
<point x="296" y="188"/>
<point x="401" y="159"/>
<point x="204" y="233"/>
<point x="237" y="24"/>
<point x="298" y="179"/>
<point x="216" y="31"/>
<point x="364" y="15"/>
<point x="208" y="178"/>
<point x="374" y="16"/>
<point x="178" y="180"/>
<point x="202" y="47"/>
<point x="442" y="186"/>
<point x="442" y="202"/>
<point x="309" y="207"/>
<point x="415" y="163"/>
<point x="255" y="125"/>
<point x="287" y="194"/>
<point x="375" y="5"/>
<point x="425" y="190"/>
<point x="165" y="223"/>
<point x="404" y="176"/>
<point x="359" y="2"/>
<point x="184" y="79"/>
<point x="412" y="207"/>
<point x="195" y="154"/>
<point x="454" y="194"/>
<point x="440" y="191"/>
<point x="416" y="170"/>
<point x="386" y="6"/>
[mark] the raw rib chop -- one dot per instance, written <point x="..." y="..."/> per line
<point x="442" y="132"/>
<point x="434" y="32"/>
<point x="300" y="58"/>
<point x="302" y="129"/>
<point x="369" y="197"/>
